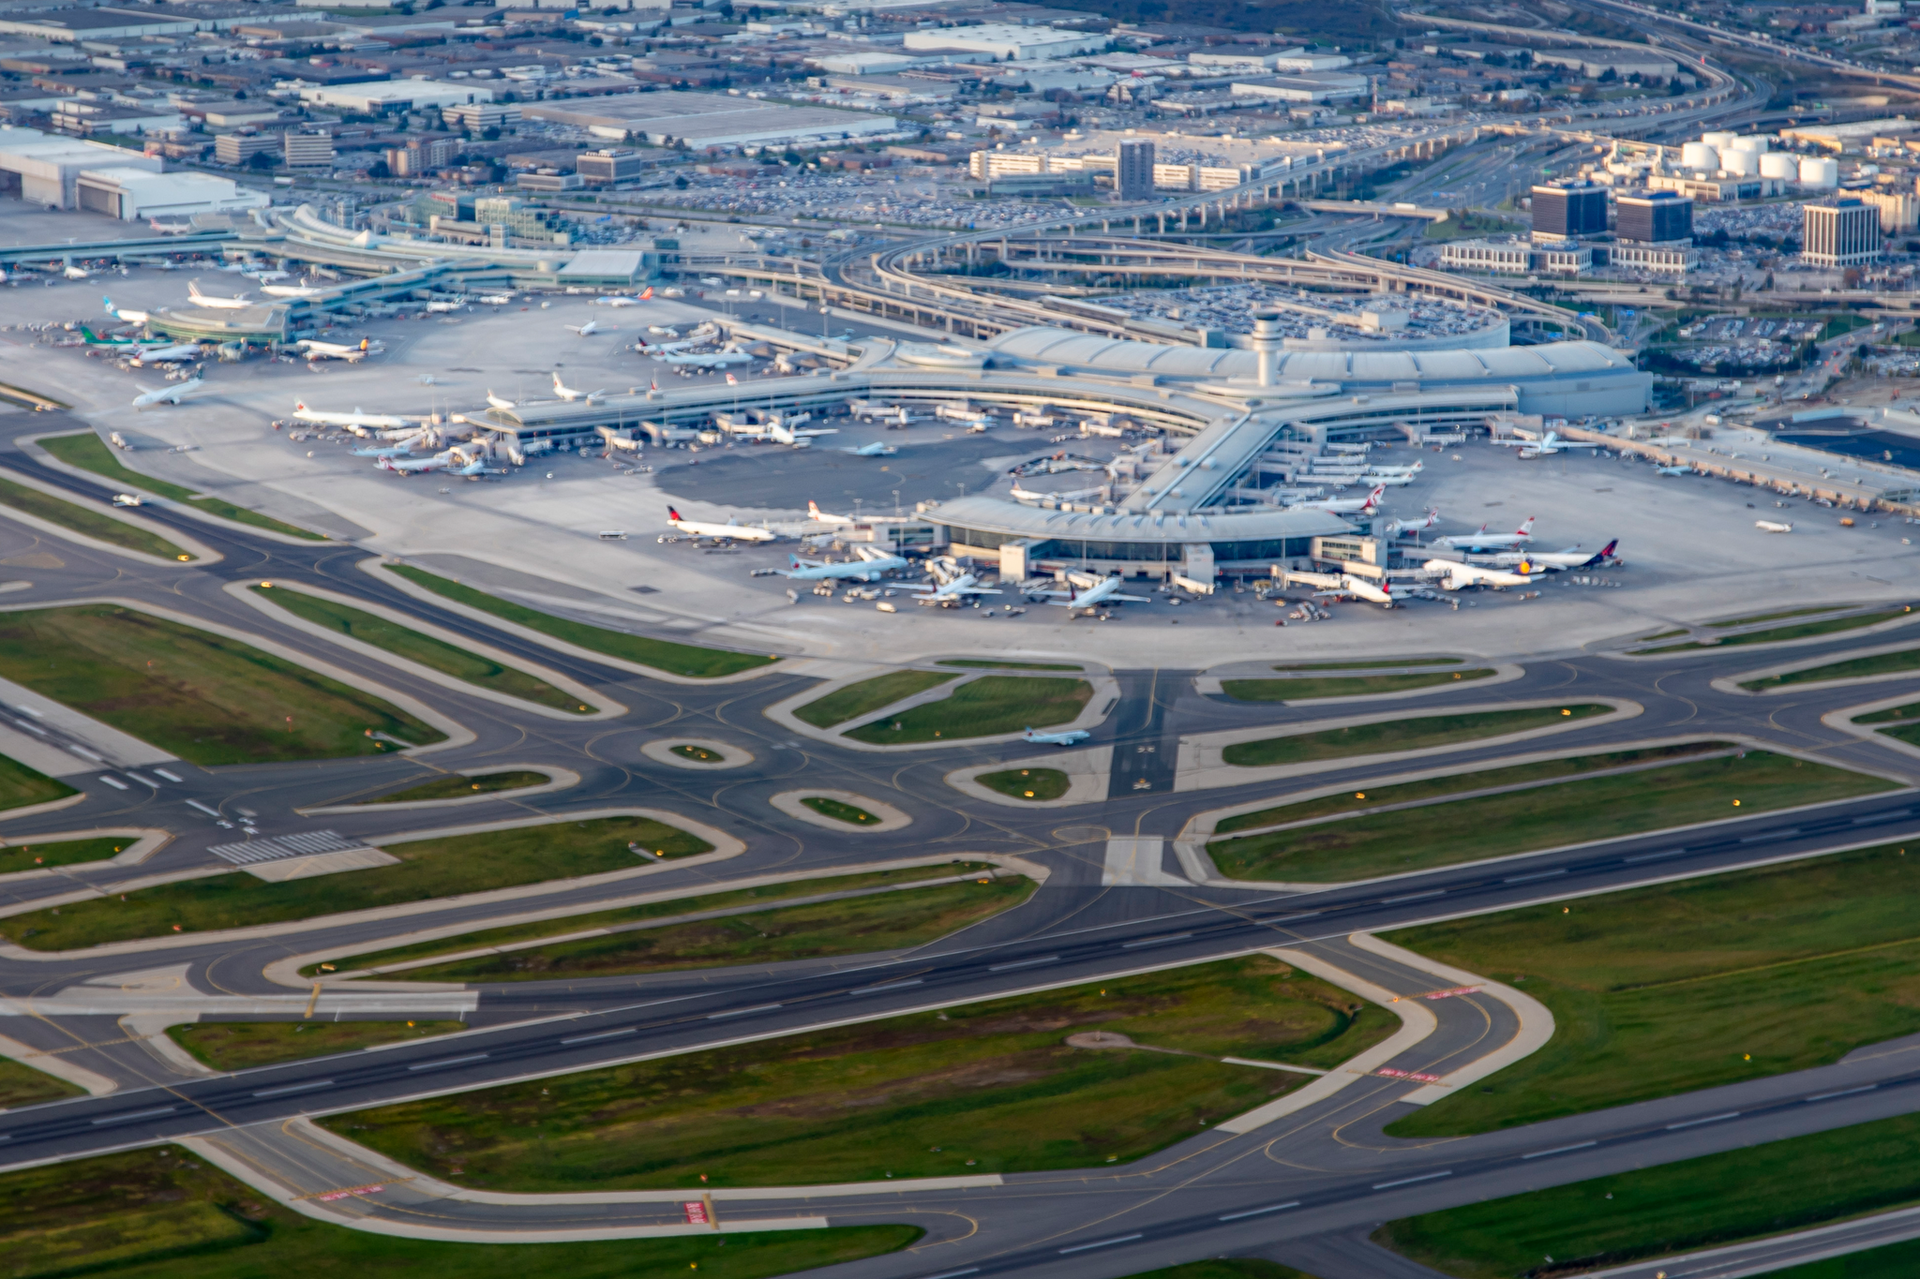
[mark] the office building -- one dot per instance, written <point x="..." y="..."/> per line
<point x="1569" y="212"/>
<point x="1843" y="232"/>
<point x="238" y="148"/>
<point x="418" y="157"/>
<point x="1899" y="210"/>
<point x="309" y="150"/>
<point x="608" y="166"/>
<point x="1654" y="217"/>
<point x="1133" y="176"/>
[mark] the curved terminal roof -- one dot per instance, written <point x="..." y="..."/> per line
<point x="1012" y="519"/>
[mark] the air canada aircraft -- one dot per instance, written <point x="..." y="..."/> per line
<point x="166" y="394"/>
<point x="1078" y="596"/>
<point x="736" y="532"/>
<point x="870" y="567"/>
<point x="1066" y="738"/>
<point x="1485" y="541"/>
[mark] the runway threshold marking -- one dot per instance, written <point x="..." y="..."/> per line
<point x="1101" y="1243"/>
<point x="1255" y="1212"/>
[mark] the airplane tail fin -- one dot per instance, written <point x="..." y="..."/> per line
<point x="1607" y="550"/>
<point x="673" y="516"/>
<point x="648" y="294"/>
<point x="1527" y="528"/>
<point x="363" y="343"/>
<point x="813" y="508"/>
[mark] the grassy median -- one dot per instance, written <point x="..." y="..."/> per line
<point x="1027" y="783"/>
<point x="1308" y="688"/>
<point x="20" y="786"/>
<point x="674" y="908"/>
<point x="983" y="707"/>
<point x="1895" y="663"/>
<point x="84" y="519"/>
<point x="28" y="856"/>
<point x="1418" y="733"/>
<point x="1568" y="812"/>
<point x="664" y="655"/>
<point x="867" y="695"/>
<point x="1902" y="718"/>
<point x="428" y="868"/>
<point x="242" y="1045"/>
<point x="162" y="1213"/>
<point x="839" y="810"/>
<point x="1721" y="1199"/>
<point x="1668" y="989"/>
<point x="982" y="1088"/>
<point x="1780" y="634"/>
<point x="1895" y="1261"/>
<point x="89" y="454"/>
<point x="630" y="944"/>
<point x="462" y="786"/>
<point x="208" y="699"/>
<point x="463" y="664"/>
<point x="22" y="1085"/>
<point x="1227" y="1268"/>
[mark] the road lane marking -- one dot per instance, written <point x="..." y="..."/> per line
<point x="1082" y="1247"/>
<point x="1653" y="857"/>
<point x="1408" y="1181"/>
<point x="1710" y="1119"/>
<point x="1844" y="1092"/>
<point x="1023" y="963"/>
<point x="1413" y="897"/>
<point x="113" y="781"/>
<point x="138" y="1114"/>
<point x="1288" y="919"/>
<point x="955" y="1274"/>
<point x="281" y="1092"/>
<point x="211" y="812"/>
<point x="161" y="772"/>
<point x="1560" y="1150"/>
<point x="1788" y="833"/>
<point x="605" y="1034"/>
<point x="884" y="987"/>
<point x="1541" y="874"/>
<point x="449" y="1061"/>
<point x="1255" y="1212"/>
<point x="742" y="1012"/>
<point x="1156" y="941"/>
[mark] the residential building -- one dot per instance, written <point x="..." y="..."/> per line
<point x="1133" y="176"/>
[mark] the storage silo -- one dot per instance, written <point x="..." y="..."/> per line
<point x="1820" y="172"/>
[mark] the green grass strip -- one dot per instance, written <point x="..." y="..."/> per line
<point x="839" y="811"/>
<point x="1698" y="1203"/>
<point x="428" y="868"/>
<point x="207" y="698"/>
<point x="1227" y="1268"/>
<point x="21" y="786"/>
<point x="1013" y="666"/>
<point x="1568" y="812"/>
<point x="242" y="1045"/>
<point x="1895" y="1261"/>
<point x="89" y="454"/>
<point x="1027" y="783"/>
<point x="868" y="695"/>
<point x="37" y="856"/>
<point x="160" y="1214"/>
<point x="1757" y="618"/>
<point x="22" y="1085"/>
<point x="1780" y="634"/>
<point x="665" y="655"/>
<point x="1669" y="989"/>
<point x="1301" y="690"/>
<point x="1402" y="735"/>
<point x="765" y="894"/>
<point x="463" y="664"/>
<point x="981" y="1088"/>
<point x="461" y="786"/>
<point x="1906" y="659"/>
<point x="991" y="704"/>
<point x="92" y="523"/>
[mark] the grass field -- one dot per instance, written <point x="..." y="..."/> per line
<point x="20" y="786"/>
<point x="461" y="786"/>
<point x="1027" y="783"/>
<point x="1903" y="720"/>
<point x="983" y="1088"/>
<point x="162" y="1214"/>
<point x="463" y="664"/>
<point x="1376" y="664"/>
<point x="1895" y="1261"/>
<point x="1668" y="989"/>
<point x="1895" y="663"/>
<point x="1781" y="615"/>
<point x="1698" y="1203"/>
<point x="83" y="519"/>
<point x="24" y="1086"/>
<point x="16" y="857"/>
<point x="665" y="655"/>
<point x="208" y="699"/>
<point x="1569" y="812"/>
<point x="839" y="811"/>
<point x="1779" y="634"/>
<point x="428" y="868"/>
<point x="991" y="704"/>
<point x="242" y="1045"/>
<point x="1402" y="735"/>
<point x="1301" y="690"/>
<point x="868" y="695"/>
<point x="686" y="950"/>
<point x="89" y="454"/>
<point x="1227" y="1268"/>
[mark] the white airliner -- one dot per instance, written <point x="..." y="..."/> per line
<point x="415" y="466"/>
<point x="1485" y="541"/>
<point x="737" y="532"/>
<point x="795" y="435"/>
<point x="355" y="418"/>
<point x="181" y="227"/>
<point x="1460" y="575"/>
<point x="351" y="353"/>
<point x="198" y="298"/>
<point x="1551" y="561"/>
<point x="168" y="354"/>
<point x="711" y="360"/>
<point x="1078" y="596"/>
<point x="129" y="317"/>
<point x="1673" y="470"/>
<point x="440" y="305"/>
<point x="1772" y="526"/>
<point x="166" y="394"/>
<point x="1414" y="469"/>
<point x="1406" y="528"/>
<point x="1067" y="738"/>
<point x="77" y="273"/>
<point x="265" y="275"/>
<point x="954" y="591"/>
<point x="1547" y="445"/>
<point x="1346" y="505"/>
<point x="876" y="449"/>
<point x="394" y="450"/>
<point x="872" y="565"/>
<point x="496" y="299"/>
<point x="617" y="300"/>
<point x="292" y="290"/>
<point x="1396" y="480"/>
<point x="819" y="516"/>
<point x="567" y="393"/>
<point x="500" y="401"/>
<point x="590" y="328"/>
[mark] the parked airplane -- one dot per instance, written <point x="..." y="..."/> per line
<point x="443" y="305"/>
<point x="355" y="418"/>
<point x="875" y="449"/>
<point x="127" y="317"/>
<point x="166" y="394"/>
<point x="1673" y="470"/>
<point x="797" y="435"/>
<point x="1458" y="575"/>
<point x="1551" y="561"/>
<point x="170" y="228"/>
<point x="1772" y="526"/>
<point x="496" y="299"/>
<point x="128" y="345"/>
<point x="292" y="290"/>
<point x="616" y="300"/>
<point x="710" y="360"/>
<point x="76" y="272"/>
<point x="953" y="591"/>
<point x="1408" y="528"/>
<point x="418" y="465"/>
<point x="737" y="532"/>
<point x="1344" y="585"/>
<point x="1485" y="541"/>
<point x="1398" y="479"/>
<point x="569" y="394"/>
<point x="819" y="516"/>
<point x="1067" y="738"/>
<point x="178" y="351"/>
<point x="590" y="328"/>
<point x="383" y="451"/>
<point x="870" y="567"/>
<point x="237" y="303"/>
<point x="352" y="354"/>
<point x="1078" y="596"/>
<point x="500" y="402"/>
<point x="1346" y="505"/>
<point x="1547" y="445"/>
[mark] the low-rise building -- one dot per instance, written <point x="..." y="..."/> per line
<point x="1841" y="232"/>
<point x="136" y="194"/>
